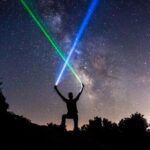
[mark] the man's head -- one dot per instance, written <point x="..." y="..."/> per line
<point x="70" y="95"/>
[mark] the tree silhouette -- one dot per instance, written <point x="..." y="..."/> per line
<point x="108" y="126"/>
<point x="93" y="126"/>
<point x="3" y="105"/>
<point x="135" y="124"/>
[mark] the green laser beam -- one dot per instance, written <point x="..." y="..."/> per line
<point x="48" y="37"/>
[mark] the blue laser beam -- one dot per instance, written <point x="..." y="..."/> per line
<point x="78" y="37"/>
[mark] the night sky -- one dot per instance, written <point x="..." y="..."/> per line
<point x="112" y="59"/>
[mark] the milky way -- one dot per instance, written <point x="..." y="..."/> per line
<point x="112" y="58"/>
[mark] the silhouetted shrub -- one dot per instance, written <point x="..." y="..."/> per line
<point x="109" y="127"/>
<point x="3" y="105"/>
<point x="93" y="126"/>
<point x="135" y="124"/>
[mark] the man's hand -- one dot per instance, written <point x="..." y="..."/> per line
<point x="55" y="87"/>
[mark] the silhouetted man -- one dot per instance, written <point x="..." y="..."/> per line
<point x="71" y="106"/>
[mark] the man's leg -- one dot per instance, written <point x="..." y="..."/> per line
<point x="63" y="121"/>
<point x="75" y="118"/>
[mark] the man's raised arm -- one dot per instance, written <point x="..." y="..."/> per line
<point x="63" y="98"/>
<point x="78" y="96"/>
